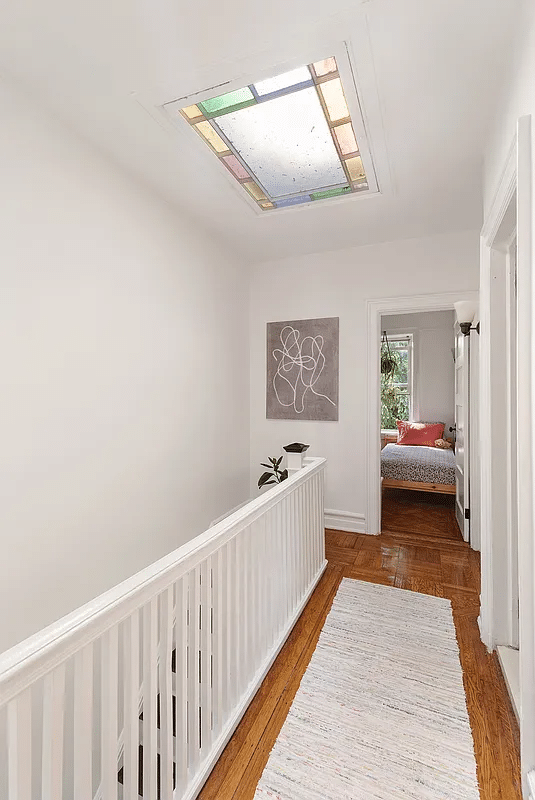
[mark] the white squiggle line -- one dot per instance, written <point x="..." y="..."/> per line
<point x="309" y="367"/>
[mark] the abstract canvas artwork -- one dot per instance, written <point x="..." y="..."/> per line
<point x="302" y="369"/>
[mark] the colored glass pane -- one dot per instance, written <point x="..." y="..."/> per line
<point x="235" y="167"/>
<point x="192" y="111"/>
<point x="325" y="66"/>
<point x="293" y="201"/>
<point x="255" y="190"/>
<point x="211" y="136"/>
<point x="284" y="81"/>
<point x="267" y="205"/>
<point x="333" y="97"/>
<point x="330" y="193"/>
<point x="286" y="143"/>
<point x="224" y="101"/>
<point x="345" y="136"/>
<point x="355" y="168"/>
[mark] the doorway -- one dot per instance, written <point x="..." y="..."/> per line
<point x="419" y="419"/>
<point x="376" y="310"/>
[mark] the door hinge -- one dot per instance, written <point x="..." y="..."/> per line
<point x="467" y="513"/>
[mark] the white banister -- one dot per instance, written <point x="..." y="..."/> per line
<point x="142" y="687"/>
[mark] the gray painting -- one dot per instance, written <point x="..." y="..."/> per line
<point x="302" y="369"/>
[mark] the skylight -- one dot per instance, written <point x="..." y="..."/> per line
<point x="287" y="140"/>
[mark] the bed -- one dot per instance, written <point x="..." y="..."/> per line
<point x="424" y="469"/>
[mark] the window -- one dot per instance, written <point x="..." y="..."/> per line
<point x="286" y="140"/>
<point x="396" y="386"/>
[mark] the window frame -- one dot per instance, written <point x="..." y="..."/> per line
<point x="409" y="336"/>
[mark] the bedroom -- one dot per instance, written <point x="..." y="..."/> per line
<point x="419" y="412"/>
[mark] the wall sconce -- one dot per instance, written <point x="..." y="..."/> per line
<point x="466" y="311"/>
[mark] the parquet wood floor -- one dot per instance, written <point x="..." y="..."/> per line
<point x="420" y="549"/>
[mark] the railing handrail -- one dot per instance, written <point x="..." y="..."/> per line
<point x="31" y="659"/>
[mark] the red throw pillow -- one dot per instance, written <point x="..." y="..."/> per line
<point x="419" y="433"/>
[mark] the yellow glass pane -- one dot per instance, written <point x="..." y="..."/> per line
<point x="255" y="190"/>
<point x="345" y="136"/>
<point x="213" y="138"/>
<point x="192" y="111"/>
<point x="266" y="205"/>
<point x="325" y="66"/>
<point x="355" y="168"/>
<point x="333" y="97"/>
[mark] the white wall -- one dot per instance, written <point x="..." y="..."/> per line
<point x="338" y="284"/>
<point x="124" y="399"/>
<point x="433" y="368"/>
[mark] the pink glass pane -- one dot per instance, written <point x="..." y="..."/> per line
<point x="236" y="168"/>
<point x="345" y="137"/>
<point x="325" y="66"/>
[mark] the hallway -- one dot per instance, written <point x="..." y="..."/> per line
<point x="422" y="555"/>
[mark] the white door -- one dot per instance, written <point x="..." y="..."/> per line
<point x="462" y="484"/>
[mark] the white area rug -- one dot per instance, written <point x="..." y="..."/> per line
<point x="381" y="710"/>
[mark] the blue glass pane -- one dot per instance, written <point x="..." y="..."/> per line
<point x="293" y="201"/>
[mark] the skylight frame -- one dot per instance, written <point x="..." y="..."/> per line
<point x="346" y="73"/>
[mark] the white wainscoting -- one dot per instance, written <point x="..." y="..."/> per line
<point x="345" y="521"/>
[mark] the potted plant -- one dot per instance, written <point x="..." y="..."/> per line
<point x="275" y="474"/>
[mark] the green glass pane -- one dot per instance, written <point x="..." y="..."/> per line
<point x="217" y="104"/>
<point x="330" y="193"/>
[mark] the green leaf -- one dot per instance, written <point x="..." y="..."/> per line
<point x="283" y="475"/>
<point x="273" y="460"/>
<point x="269" y="466"/>
<point x="266" y="477"/>
<point x="279" y="461"/>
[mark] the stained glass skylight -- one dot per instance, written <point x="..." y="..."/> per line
<point x="287" y="140"/>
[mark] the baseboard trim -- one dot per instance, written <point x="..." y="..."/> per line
<point x="345" y="521"/>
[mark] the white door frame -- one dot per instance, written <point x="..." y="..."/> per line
<point x="516" y="178"/>
<point x="375" y="310"/>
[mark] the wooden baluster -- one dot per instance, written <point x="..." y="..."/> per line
<point x="166" y="695"/>
<point x="233" y="621"/>
<point x="298" y="545"/>
<point x="274" y="576"/>
<point x="181" y="686"/>
<point x="193" y="672"/>
<point x="53" y="721"/>
<point x="306" y="540"/>
<point x="248" y="611"/>
<point x="320" y="522"/>
<point x="283" y="599"/>
<point x="321" y="495"/>
<point x="218" y="641"/>
<point x="150" y="732"/>
<point x="83" y="724"/>
<point x="109" y="662"/>
<point x="314" y="527"/>
<point x="131" y="690"/>
<point x="19" y="732"/>
<point x="205" y="647"/>
<point x="259" y="566"/>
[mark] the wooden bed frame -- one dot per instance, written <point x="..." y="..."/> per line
<point x="415" y="486"/>
<point x="443" y="488"/>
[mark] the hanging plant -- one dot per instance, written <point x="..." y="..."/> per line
<point x="388" y="360"/>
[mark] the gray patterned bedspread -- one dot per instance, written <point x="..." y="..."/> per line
<point x="423" y="464"/>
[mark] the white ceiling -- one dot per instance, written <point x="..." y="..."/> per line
<point x="429" y="74"/>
